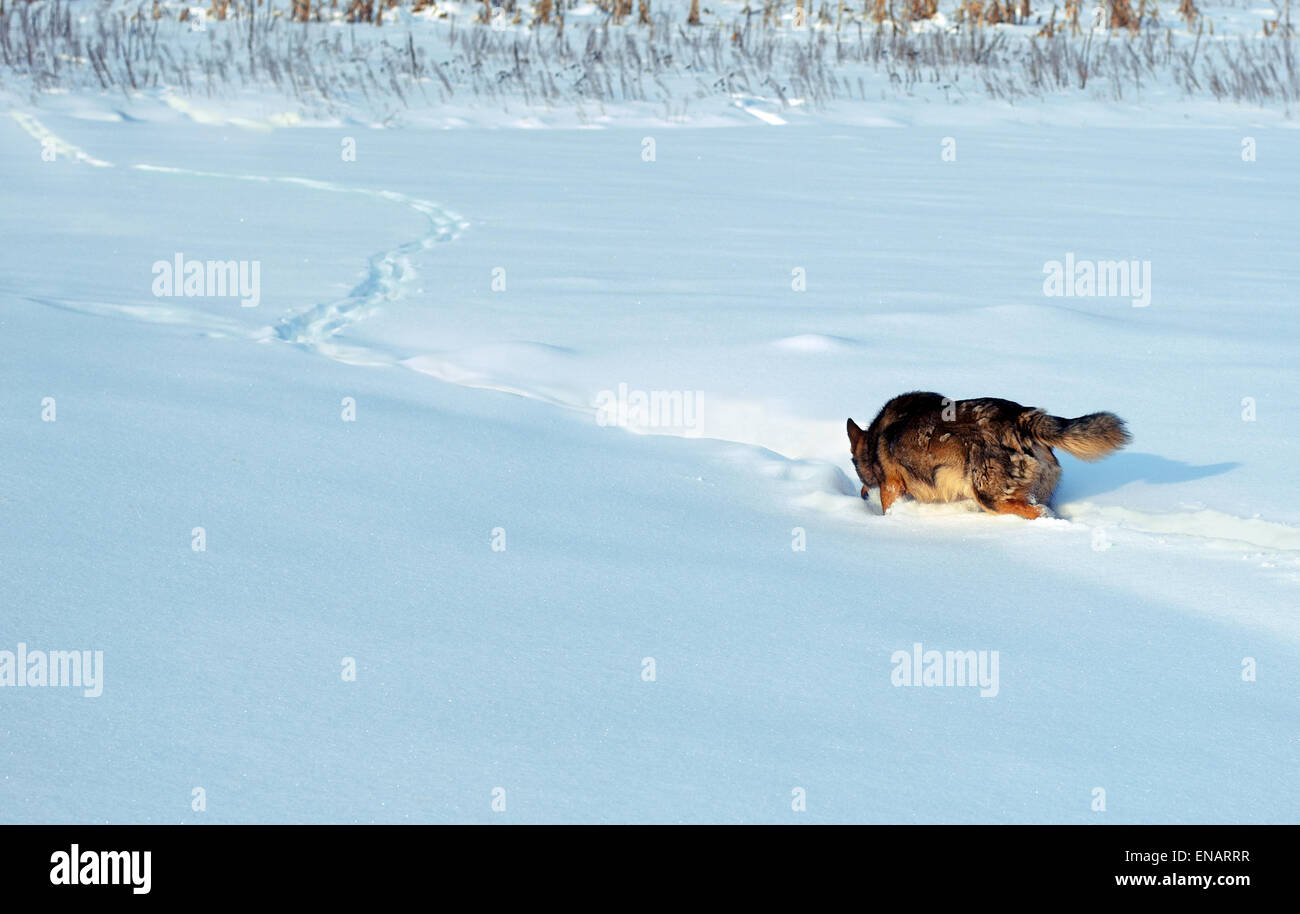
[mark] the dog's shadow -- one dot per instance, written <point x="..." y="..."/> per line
<point x="1082" y="480"/>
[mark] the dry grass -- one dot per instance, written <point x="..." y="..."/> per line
<point x="327" y="68"/>
<point x="1120" y="15"/>
<point x="1049" y="27"/>
<point x="917" y="10"/>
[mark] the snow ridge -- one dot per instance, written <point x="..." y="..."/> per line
<point x="61" y="147"/>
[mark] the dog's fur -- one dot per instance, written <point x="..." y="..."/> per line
<point x="997" y="452"/>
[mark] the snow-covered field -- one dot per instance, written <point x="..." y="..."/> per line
<point x="443" y="573"/>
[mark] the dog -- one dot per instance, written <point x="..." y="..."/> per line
<point x="994" y="451"/>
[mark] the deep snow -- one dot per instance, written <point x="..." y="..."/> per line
<point x="1121" y="626"/>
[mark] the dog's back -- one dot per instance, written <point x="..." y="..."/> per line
<point x="992" y="450"/>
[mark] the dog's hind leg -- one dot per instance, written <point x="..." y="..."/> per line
<point x="1048" y="475"/>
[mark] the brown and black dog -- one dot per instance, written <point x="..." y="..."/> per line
<point x="994" y="451"/>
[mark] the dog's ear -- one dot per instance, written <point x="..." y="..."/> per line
<point x="855" y="435"/>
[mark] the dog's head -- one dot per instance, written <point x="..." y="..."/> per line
<point x="863" y="459"/>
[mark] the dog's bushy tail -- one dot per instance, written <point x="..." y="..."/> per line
<point x="1089" y="437"/>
